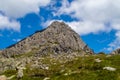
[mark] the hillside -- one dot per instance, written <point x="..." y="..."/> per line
<point x="56" y="39"/>
<point x="56" y="53"/>
<point x="89" y="67"/>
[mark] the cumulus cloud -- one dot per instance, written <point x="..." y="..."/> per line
<point x="9" y="24"/>
<point x="94" y="16"/>
<point x="92" y="12"/>
<point x="86" y="27"/>
<point x="48" y="22"/>
<point x="14" y="9"/>
<point x="115" y="44"/>
<point x="19" y="8"/>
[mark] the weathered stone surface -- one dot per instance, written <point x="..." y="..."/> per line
<point x="57" y="38"/>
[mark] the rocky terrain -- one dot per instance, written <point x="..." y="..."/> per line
<point x="56" y="53"/>
<point x="56" y="39"/>
<point x="58" y="42"/>
<point x="62" y="67"/>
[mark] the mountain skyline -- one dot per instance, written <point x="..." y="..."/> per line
<point x="57" y="38"/>
<point x="97" y="22"/>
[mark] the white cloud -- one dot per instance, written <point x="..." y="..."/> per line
<point x="9" y="24"/>
<point x="116" y="43"/>
<point x="16" y="40"/>
<point x="93" y="13"/>
<point x="86" y="27"/>
<point x="19" y="8"/>
<point x="48" y="22"/>
<point x="116" y="25"/>
<point x="14" y="9"/>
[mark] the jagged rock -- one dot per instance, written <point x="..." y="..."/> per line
<point x="57" y="38"/>
<point x="117" y="51"/>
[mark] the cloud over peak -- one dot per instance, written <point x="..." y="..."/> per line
<point x="94" y="14"/>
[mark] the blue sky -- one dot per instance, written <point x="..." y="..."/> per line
<point x="96" y="21"/>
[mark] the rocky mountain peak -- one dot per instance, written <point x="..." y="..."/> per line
<point x="58" y="25"/>
<point x="58" y="38"/>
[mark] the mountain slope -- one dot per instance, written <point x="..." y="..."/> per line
<point x="57" y="38"/>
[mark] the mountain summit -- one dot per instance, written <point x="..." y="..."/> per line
<point x="58" y="38"/>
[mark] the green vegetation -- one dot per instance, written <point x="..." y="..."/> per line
<point x="79" y="68"/>
<point x="102" y="53"/>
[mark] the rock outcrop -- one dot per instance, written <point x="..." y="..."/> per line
<point x="117" y="51"/>
<point x="56" y="39"/>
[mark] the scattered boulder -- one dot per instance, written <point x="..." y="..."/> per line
<point x="46" y="78"/>
<point x="44" y="66"/>
<point x="109" y="68"/>
<point x="58" y="41"/>
<point x="98" y="60"/>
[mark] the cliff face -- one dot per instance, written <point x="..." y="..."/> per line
<point x="57" y="38"/>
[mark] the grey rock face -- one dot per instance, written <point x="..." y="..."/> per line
<point x="57" y="38"/>
<point x="117" y="51"/>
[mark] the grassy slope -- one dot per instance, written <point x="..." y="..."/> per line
<point x="80" y="68"/>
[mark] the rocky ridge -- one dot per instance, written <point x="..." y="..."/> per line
<point x="58" y="43"/>
<point x="57" y="38"/>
